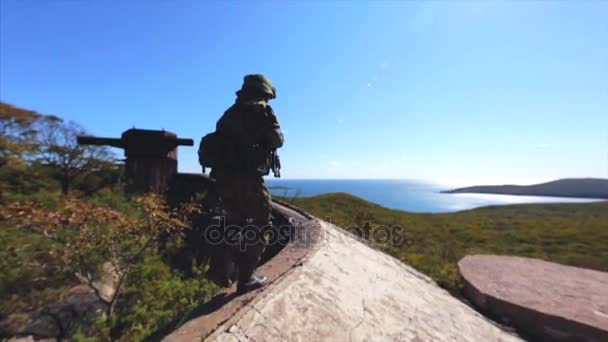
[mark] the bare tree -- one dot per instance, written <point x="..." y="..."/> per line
<point x="58" y="148"/>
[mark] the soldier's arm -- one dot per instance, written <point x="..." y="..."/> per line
<point x="220" y="126"/>
<point x="272" y="135"/>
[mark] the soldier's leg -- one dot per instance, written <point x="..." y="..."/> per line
<point x="221" y="263"/>
<point x="227" y="188"/>
<point x="258" y="209"/>
<point x="248" y="261"/>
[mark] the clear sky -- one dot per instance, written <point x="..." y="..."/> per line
<point x="463" y="92"/>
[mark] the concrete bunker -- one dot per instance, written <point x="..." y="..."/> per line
<point x="151" y="165"/>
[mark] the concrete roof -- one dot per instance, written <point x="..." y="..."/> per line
<point x="345" y="290"/>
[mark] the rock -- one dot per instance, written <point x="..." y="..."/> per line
<point x="30" y="338"/>
<point x="21" y="339"/>
<point x="107" y="283"/>
<point x="81" y="307"/>
<point x="545" y="300"/>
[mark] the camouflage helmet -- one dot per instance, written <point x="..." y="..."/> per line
<point x="258" y="83"/>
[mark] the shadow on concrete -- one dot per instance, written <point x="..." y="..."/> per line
<point x="277" y="260"/>
<point x="214" y="304"/>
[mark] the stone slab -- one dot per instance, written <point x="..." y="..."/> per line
<point x="546" y="300"/>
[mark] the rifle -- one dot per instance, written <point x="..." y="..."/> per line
<point x="275" y="163"/>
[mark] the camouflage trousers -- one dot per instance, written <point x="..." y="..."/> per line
<point x="246" y="201"/>
<point x="244" y="197"/>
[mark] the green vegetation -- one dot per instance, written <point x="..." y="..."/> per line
<point x="65" y="224"/>
<point x="55" y="244"/>
<point x="572" y="234"/>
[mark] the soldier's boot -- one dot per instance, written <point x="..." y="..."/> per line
<point x="247" y="263"/>
<point x="254" y="282"/>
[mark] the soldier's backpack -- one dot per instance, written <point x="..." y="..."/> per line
<point x="211" y="151"/>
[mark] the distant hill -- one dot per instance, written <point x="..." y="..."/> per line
<point x="572" y="187"/>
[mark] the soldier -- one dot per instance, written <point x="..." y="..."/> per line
<point x="250" y="133"/>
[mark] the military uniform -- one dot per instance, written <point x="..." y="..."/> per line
<point x="251" y="131"/>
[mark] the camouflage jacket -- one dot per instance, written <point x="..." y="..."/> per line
<point x="252" y="130"/>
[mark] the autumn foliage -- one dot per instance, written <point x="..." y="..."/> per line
<point x="66" y="224"/>
<point x="79" y="238"/>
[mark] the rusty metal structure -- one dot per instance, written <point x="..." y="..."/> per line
<point x="151" y="157"/>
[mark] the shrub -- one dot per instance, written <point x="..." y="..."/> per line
<point x="54" y="247"/>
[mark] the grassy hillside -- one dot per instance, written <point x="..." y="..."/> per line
<point x="573" y="234"/>
<point x="574" y="187"/>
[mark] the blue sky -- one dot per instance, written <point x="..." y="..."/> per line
<point x="458" y="92"/>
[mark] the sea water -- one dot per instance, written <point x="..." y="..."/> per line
<point x="408" y="195"/>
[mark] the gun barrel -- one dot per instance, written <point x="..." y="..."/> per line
<point x="185" y="142"/>
<point x="89" y="140"/>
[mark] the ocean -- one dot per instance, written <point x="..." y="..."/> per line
<point x="408" y="195"/>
